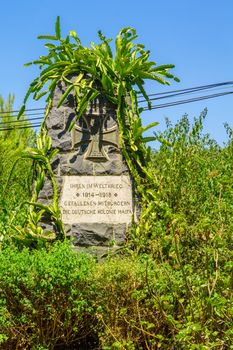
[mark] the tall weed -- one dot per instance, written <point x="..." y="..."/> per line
<point x="12" y="142"/>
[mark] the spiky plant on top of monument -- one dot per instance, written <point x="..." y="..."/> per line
<point x="120" y="77"/>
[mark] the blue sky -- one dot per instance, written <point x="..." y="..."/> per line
<point x="194" y="35"/>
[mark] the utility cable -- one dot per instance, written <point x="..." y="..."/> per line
<point x="26" y="110"/>
<point x="10" y="115"/>
<point x="180" y="94"/>
<point x="21" y="127"/>
<point x="22" y="121"/>
<point x="168" y="93"/>
<point x="201" y="87"/>
<point x="20" y="124"/>
<point x="175" y="103"/>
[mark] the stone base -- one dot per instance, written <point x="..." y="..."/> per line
<point x="96" y="234"/>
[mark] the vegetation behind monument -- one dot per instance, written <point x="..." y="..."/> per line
<point x="18" y="189"/>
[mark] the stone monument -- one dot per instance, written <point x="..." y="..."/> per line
<point x="95" y="188"/>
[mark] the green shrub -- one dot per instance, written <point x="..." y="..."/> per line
<point x="194" y="192"/>
<point x="44" y="297"/>
<point x="144" y="304"/>
<point x="195" y="173"/>
<point x="60" y="299"/>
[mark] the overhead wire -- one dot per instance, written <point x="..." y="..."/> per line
<point x="195" y="99"/>
<point x="29" y="126"/>
<point x="181" y="94"/>
<point x="20" y="121"/>
<point x="26" y="122"/>
<point x="188" y="90"/>
<point x="26" y="110"/>
<point x="23" y="121"/>
<point x="6" y="122"/>
<point x="15" y="116"/>
<point x="29" y="120"/>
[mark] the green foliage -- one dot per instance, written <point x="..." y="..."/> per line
<point x="32" y="232"/>
<point x="149" y="304"/>
<point x="189" y="234"/>
<point x="12" y="142"/>
<point x="57" y="299"/>
<point x="193" y="191"/>
<point x="117" y="75"/>
<point x="44" y="297"/>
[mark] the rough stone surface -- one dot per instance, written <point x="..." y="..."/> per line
<point x="92" y="148"/>
<point x="93" y="234"/>
<point x="98" y="234"/>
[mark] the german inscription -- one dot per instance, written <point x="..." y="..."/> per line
<point x="96" y="199"/>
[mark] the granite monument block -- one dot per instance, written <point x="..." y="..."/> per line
<point x="94" y="183"/>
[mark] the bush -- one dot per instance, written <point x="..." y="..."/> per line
<point x="194" y="192"/>
<point x="195" y="174"/>
<point x="149" y="305"/>
<point x="44" y="297"/>
<point x="60" y="299"/>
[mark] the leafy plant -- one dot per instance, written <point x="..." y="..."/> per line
<point x="32" y="230"/>
<point x="57" y="298"/>
<point x="12" y="143"/>
<point x="45" y="298"/>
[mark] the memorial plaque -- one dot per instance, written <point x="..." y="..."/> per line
<point x="97" y="199"/>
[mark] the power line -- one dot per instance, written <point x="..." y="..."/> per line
<point x="23" y="121"/>
<point x="21" y="127"/>
<point x="20" y="124"/>
<point x="164" y="105"/>
<point x="175" y="103"/>
<point x="26" y="110"/>
<point x="169" y="93"/>
<point x="197" y="88"/>
<point x="177" y="94"/>
<point x="6" y="116"/>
